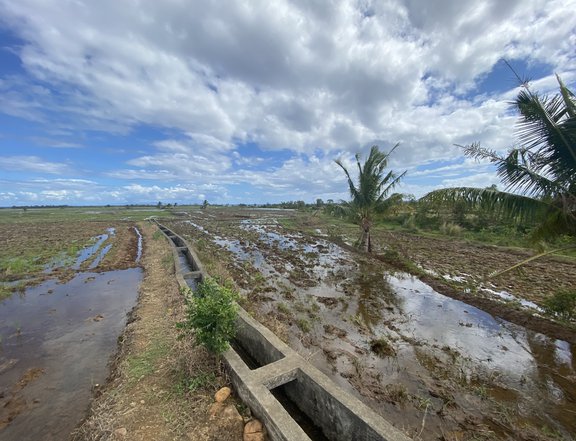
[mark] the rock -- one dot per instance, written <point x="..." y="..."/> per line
<point x="215" y="409"/>
<point x="253" y="426"/>
<point x="258" y="436"/>
<point x="230" y="412"/>
<point x="222" y="394"/>
<point x="121" y="432"/>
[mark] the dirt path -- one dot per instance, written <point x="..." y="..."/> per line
<point x="161" y="388"/>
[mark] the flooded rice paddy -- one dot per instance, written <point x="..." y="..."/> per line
<point x="434" y="366"/>
<point x="56" y="340"/>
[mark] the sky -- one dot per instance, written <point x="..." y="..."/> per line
<point x="140" y="101"/>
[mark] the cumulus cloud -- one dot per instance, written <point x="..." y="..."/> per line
<point x="297" y="75"/>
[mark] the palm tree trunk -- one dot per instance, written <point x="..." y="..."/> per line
<point x="369" y="246"/>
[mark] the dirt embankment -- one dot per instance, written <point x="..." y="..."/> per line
<point x="161" y="388"/>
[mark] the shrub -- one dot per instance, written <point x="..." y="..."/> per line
<point x="562" y="304"/>
<point x="211" y="313"/>
<point x="451" y="229"/>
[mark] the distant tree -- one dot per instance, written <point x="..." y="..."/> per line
<point x="204" y="204"/>
<point x="159" y="205"/>
<point x="371" y="193"/>
<point x="319" y="203"/>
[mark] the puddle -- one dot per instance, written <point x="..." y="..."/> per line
<point x="139" y="252"/>
<point x="509" y="297"/>
<point x="66" y="333"/>
<point x="89" y="251"/>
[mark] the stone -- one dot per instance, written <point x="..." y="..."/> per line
<point x="258" y="436"/>
<point x="230" y="412"/>
<point x="121" y="432"/>
<point x="222" y="394"/>
<point x="215" y="409"/>
<point x="253" y="426"/>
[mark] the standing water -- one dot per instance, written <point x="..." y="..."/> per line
<point x="55" y="344"/>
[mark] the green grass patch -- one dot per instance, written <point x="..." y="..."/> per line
<point x="304" y="325"/>
<point x="144" y="364"/>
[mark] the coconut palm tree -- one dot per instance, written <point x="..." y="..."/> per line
<point x="539" y="175"/>
<point x="371" y="194"/>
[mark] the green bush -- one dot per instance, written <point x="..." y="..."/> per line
<point x="451" y="229"/>
<point x="562" y="304"/>
<point x="211" y="313"/>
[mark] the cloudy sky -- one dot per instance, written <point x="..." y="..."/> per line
<point x="139" y="101"/>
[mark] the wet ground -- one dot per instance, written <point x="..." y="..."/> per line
<point x="57" y="335"/>
<point x="434" y="366"/>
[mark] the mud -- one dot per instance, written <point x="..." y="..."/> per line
<point x="436" y="367"/>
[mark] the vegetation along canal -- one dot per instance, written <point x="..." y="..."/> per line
<point x="59" y="332"/>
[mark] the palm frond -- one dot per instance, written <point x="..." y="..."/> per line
<point x="530" y="259"/>
<point x="546" y="126"/>
<point x="352" y="187"/>
<point x="506" y="205"/>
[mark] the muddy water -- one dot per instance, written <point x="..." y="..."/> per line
<point x="56" y="341"/>
<point x="409" y="352"/>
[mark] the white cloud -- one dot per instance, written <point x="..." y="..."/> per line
<point x="30" y="163"/>
<point x="306" y="76"/>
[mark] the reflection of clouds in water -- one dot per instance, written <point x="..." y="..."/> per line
<point x="563" y="353"/>
<point x="476" y="334"/>
<point x="528" y="361"/>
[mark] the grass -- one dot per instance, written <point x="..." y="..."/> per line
<point x="304" y="325"/>
<point x="76" y="214"/>
<point x="382" y="347"/>
<point x="191" y="384"/>
<point x="143" y="364"/>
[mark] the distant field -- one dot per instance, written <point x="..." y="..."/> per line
<point x="37" y="243"/>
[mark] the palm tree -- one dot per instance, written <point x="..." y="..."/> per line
<point x="539" y="175"/>
<point x="370" y="195"/>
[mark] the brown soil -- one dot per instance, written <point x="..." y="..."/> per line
<point x="161" y="388"/>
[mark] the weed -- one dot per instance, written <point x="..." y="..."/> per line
<point x="168" y="262"/>
<point x="562" y="304"/>
<point x="396" y="393"/>
<point x="197" y="382"/>
<point x="304" y="325"/>
<point x="481" y="391"/>
<point x="283" y="308"/>
<point x="357" y="363"/>
<point x="157" y="235"/>
<point x="451" y="229"/>
<point x="382" y="347"/>
<point x="422" y="403"/>
<point x="145" y="363"/>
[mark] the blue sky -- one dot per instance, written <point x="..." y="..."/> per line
<point x="107" y="102"/>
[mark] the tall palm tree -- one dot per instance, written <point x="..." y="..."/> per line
<point x="371" y="194"/>
<point x="539" y="175"/>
